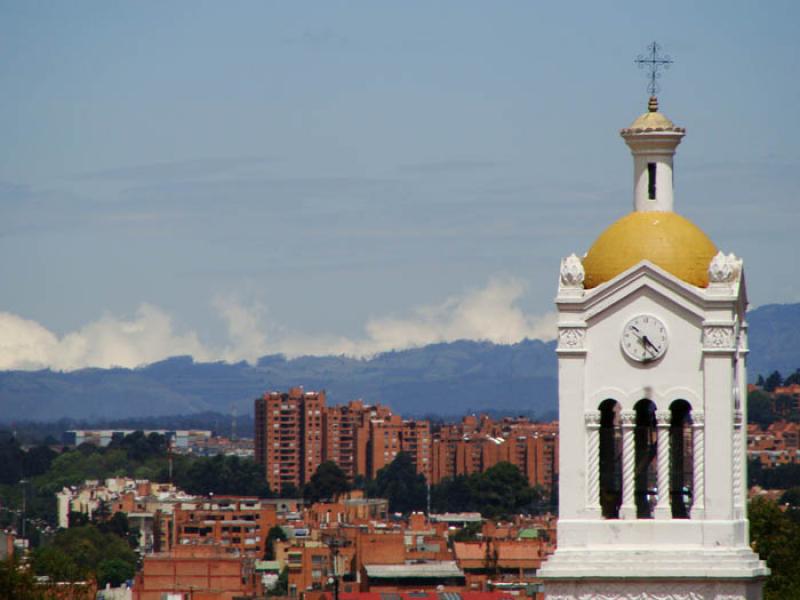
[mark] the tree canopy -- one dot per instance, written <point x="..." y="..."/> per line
<point x="223" y="475"/>
<point x="81" y="553"/>
<point x="499" y="491"/>
<point x="400" y="484"/>
<point x="776" y="538"/>
<point x="275" y="533"/>
<point x="327" y="482"/>
<point x="774" y="380"/>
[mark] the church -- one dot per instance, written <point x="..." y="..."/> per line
<point x="652" y="350"/>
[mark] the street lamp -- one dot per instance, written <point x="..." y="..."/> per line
<point x="24" y="483"/>
<point x="334" y="544"/>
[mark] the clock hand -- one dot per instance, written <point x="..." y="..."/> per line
<point x="646" y="341"/>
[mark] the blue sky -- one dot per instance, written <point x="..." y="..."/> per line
<point x="232" y="179"/>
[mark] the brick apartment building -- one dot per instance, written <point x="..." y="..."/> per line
<point x="194" y="572"/>
<point x="289" y="436"/>
<point x="239" y="524"/>
<point x="346" y="435"/>
<point x="295" y="432"/>
<point x="477" y="444"/>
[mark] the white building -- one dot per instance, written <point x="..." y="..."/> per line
<point x="652" y="399"/>
<point x="178" y="438"/>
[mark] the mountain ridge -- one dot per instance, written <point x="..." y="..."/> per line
<point x="449" y="379"/>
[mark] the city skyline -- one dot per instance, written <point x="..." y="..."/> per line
<point x="229" y="183"/>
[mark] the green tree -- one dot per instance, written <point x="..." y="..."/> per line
<point x="223" y="475"/>
<point x="16" y="582"/>
<point x="290" y="491"/>
<point x="57" y="564"/>
<point x="501" y="491"/>
<point x="759" y="408"/>
<point x="78" y="519"/>
<point x="453" y="494"/>
<point x="793" y="379"/>
<point x="776" y="538"/>
<point x="781" y="477"/>
<point x="468" y="533"/>
<point x="11" y="457"/>
<point x="115" y="571"/>
<point x="774" y="380"/>
<point x="784" y="405"/>
<point x="791" y="497"/>
<point x="282" y="585"/>
<point x="275" y="533"/>
<point x="77" y="553"/>
<point x="119" y="526"/>
<point x="401" y="485"/>
<point x="327" y="482"/>
<point x="140" y="447"/>
<point x="37" y="460"/>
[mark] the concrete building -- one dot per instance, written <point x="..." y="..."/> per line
<point x="652" y="346"/>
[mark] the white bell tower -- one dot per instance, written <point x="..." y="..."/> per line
<point x="652" y="345"/>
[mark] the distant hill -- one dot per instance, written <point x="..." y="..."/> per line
<point x="774" y="339"/>
<point x="444" y="379"/>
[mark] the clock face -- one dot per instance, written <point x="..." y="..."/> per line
<point x="644" y="338"/>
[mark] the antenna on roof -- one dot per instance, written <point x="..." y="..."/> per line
<point x="233" y="422"/>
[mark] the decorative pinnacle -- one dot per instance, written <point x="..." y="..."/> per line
<point x="653" y="61"/>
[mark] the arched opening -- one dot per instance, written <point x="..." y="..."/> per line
<point x="645" y="475"/>
<point x="681" y="461"/>
<point x="610" y="459"/>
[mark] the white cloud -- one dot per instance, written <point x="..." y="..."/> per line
<point x="490" y="313"/>
<point x="246" y="331"/>
<point x="487" y="314"/>
<point x="107" y="342"/>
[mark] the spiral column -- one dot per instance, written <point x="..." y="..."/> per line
<point x="628" y="508"/>
<point x="664" y="506"/>
<point x="699" y="467"/>
<point x="737" y="461"/>
<point x="593" y="461"/>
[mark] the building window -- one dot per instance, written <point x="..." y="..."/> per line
<point x="651" y="181"/>
<point x="681" y="467"/>
<point x="610" y="459"/>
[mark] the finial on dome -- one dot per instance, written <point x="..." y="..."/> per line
<point x="652" y="105"/>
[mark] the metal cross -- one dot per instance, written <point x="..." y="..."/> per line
<point x="653" y="61"/>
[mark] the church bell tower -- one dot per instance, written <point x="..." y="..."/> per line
<point x="652" y="347"/>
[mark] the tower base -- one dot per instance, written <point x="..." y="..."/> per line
<point x="653" y="589"/>
<point x="640" y="574"/>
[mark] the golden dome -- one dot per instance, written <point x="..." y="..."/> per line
<point x="664" y="238"/>
<point x="652" y="120"/>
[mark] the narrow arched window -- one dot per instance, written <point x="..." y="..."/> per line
<point x="681" y="461"/>
<point x="610" y="459"/>
<point x="651" y="181"/>
<point x="645" y="476"/>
